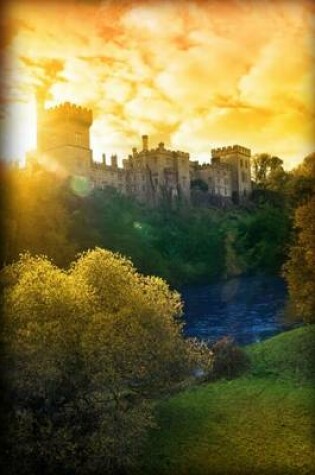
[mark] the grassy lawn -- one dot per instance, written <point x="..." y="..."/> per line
<point x="260" y="423"/>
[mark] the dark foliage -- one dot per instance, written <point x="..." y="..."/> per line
<point x="229" y="360"/>
<point x="182" y="245"/>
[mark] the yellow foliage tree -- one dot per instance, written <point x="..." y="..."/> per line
<point x="87" y="351"/>
<point x="300" y="268"/>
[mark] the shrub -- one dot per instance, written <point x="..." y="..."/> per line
<point x="200" y="359"/>
<point x="229" y="360"/>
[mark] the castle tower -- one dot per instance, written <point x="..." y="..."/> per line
<point x="238" y="158"/>
<point x="63" y="138"/>
<point x="145" y="143"/>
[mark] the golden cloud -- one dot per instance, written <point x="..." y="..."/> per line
<point x="191" y="73"/>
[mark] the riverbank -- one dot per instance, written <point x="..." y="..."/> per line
<point x="260" y="423"/>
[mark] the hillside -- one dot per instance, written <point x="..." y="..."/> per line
<point x="260" y="423"/>
<point x="288" y="356"/>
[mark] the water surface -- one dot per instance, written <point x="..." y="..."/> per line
<point x="249" y="309"/>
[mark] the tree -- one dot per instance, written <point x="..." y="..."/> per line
<point x="299" y="271"/>
<point x="266" y="166"/>
<point x="307" y="167"/>
<point x="301" y="185"/>
<point x="87" y="351"/>
<point x="256" y="242"/>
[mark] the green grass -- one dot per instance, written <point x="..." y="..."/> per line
<point x="289" y="356"/>
<point x="260" y="423"/>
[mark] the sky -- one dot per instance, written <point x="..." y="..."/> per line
<point x="193" y="74"/>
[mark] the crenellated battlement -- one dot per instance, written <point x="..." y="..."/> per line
<point x="68" y="111"/>
<point x="104" y="166"/>
<point x="182" y="154"/>
<point x="160" y="150"/>
<point x="221" y="151"/>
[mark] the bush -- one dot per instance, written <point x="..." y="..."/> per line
<point x="87" y="351"/>
<point x="229" y="360"/>
<point x="200" y="358"/>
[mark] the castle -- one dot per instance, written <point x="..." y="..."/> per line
<point x="150" y="175"/>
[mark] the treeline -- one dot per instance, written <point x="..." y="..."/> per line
<point x="183" y="245"/>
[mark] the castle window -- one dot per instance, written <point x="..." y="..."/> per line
<point x="241" y="162"/>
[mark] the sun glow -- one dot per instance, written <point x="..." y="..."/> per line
<point x="20" y="130"/>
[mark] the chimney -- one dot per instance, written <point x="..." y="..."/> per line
<point x="103" y="158"/>
<point x="145" y="142"/>
<point x="113" y="159"/>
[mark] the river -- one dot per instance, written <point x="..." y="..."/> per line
<point x="250" y="309"/>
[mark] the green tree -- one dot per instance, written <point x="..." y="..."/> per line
<point x="257" y="241"/>
<point x="265" y="166"/>
<point x="301" y="184"/>
<point x="87" y="351"/>
<point x="299" y="271"/>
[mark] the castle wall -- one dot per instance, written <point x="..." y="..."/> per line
<point x="150" y="175"/>
<point x="154" y="174"/>
<point x="217" y="176"/>
<point x="103" y="176"/>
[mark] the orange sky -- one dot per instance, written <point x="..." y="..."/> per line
<point x="193" y="74"/>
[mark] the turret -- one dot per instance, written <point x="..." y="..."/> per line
<point x="238" y="158"/>
<point x="145" y="143"/>
<point x="63" y="137"/>
<point x="64" y="125"/>
<point x="113" y="159"/>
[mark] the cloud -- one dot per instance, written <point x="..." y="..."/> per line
<point x="189" y="73"/>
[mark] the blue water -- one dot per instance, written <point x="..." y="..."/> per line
<point x="250" y="309"/>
